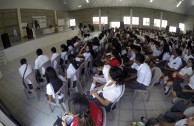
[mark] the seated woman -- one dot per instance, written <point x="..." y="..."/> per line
<point x="64" y="52"/>
<point x="87" y="51"/>
<point x="108" y="93"/>
<point x="54" y="84"/>
<point x="82" y="112"/>
<point x="185" y="91"/>
<point x="165" y="55"/>
<point x="115" y="59"/>
<point x="181" y="75"/>
<point x="174" y="63"/>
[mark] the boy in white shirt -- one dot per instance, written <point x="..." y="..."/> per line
<point x="53" y="57"/>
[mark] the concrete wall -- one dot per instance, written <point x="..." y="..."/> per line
<point x="30" y="46"/>
<point x="117" y="13"/>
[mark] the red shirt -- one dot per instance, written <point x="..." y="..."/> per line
<point x="95" y="113"/>
<point x="114" y="62"/>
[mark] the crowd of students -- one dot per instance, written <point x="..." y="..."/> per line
<point x="120" y="57"/>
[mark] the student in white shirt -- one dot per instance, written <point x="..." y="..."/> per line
<point x="64" y="54"/>
<point x="156" y="51"/>
<point x="108" y="93"/>
<point x="54" y="84"/>
<point x="144" y="74"/>
<point x="71" y="70"/>
<point x="181" y="75"/>
<point x="70" y="46"/>
<point x="54" y="55"/>
<point x="87" y="51"/>
<point x="165" y="55"/>
<point x="188" y="55"/>
<point x="27" y="68"/>
<point x="40" y="60"/>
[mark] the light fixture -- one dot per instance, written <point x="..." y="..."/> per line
<point x="87" y="1"/>
<point x="151" y="1"/>
<point x="80" y="6"/>
<point x="179" y="3"/>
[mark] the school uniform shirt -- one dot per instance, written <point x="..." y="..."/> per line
<point x="166" y="56"/>
<point x="186" y="70"/>
<point x="144" y="74"/>
<point x="186" y="57"/>
<point x="189" y="111"/>
<point x="28" y="71"/>
<point x="54" y="63"/>
<point x="105" y="72"/>
<point x="50" y="90"/>
<point x="70" y="48"/>
<point x="191" y="82"/>
<point x="175" y="62"/>
<point x="123" y="52"/>
<point x="70" y="72"/>
<point x="64" y="56"/>
<point x="40" y="60"/>
<point x="156" y="52"/>
<point x="86" y="55"/>
<point x="85" y="40"/>
<point x="181" y="122"/>
<point x="111" y="93"/>
<point x="95" y="48"/>
<point x="132" y="54"/>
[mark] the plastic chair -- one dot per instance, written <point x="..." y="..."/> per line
<point x="35" y="85"/>
<point x="55" y="102"/>
<point x="156" y="76"/>
<point x="104" y="116"/>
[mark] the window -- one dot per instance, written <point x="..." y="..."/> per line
<point x="146" y="21"/>
<point x="104" y="20"/>
<point x="157" y="22"/>
<point x="172" y="29"/>
<point x="127" y="20"/>
<point x="135" y="20"/>
<point x="164" y="23"/>
<point x="182" y="26"/>
<point x="114" y="24"/>
<point x="72" y="22"/>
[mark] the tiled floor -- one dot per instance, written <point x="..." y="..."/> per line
<point x="37" y="113"/>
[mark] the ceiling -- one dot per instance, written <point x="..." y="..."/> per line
<point x="187" y="6"/>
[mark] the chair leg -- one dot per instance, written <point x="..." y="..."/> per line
<point x="134" y="95"/>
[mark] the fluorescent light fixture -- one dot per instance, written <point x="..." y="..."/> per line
<point x="80" y="6"/>
<point x="179" y="3"/>
<point x="87" y="1"/>
<point x="151" y="1"/>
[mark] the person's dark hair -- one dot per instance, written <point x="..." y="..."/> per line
<point x="53" y="50"/>
<point x="178" y="51"/>
<point x="117" y="55"/>
<point x="116" y="45"/>
<point x="89" y="44"/>
<point x="117" y="74"/>
<point x="71" y="59"/>
<point x="140" y="58"/>
<point x="192" y="61"/>
<point x="166" y="49"/>
<point x="64" y="48"/>
<point x="96" y="41"/>
<point x="39" y="52"/>
<point x="23" y="61"/>
<point x="79" y="105"/>
<point x="69" y="43"/>
<point x="51" y="77"/>
<point x="98" y="63"/>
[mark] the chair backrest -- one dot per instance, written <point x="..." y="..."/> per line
<point x="44" y="66"/>
<point x="63" y="89"/>
<point x="157" y="73"/>
<point x="32" y="78"/>
<point x="117" y="100"/>
<point x="104" y="116"/>
<point x="57" y="59"/>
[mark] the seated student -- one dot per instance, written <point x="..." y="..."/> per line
<point x="24" y="70"/>
<point x="144" y="74"/>
<point x="96" y="44"/>
<point x="64" y="54"/>
<point x="40" y="60"/>
<point x="103" y="70"/>
<point x="181" y="75"/>
<point x="188" y="55"/>
<point x="115" y="59"/>
<point x="70" y="46"/>
<point x="54" y="84"/>
<point x="72" y="69"/>
<point x="174" y="63"/>
<point x="82" y="112"/>
<point x="86" y="39"/>
<point x="54" y="55"/>
<point x="185" y="91"/>
<point x="108" y="93"/>
<point x="88" y="51"/>
<point x="165" y="55"/>
<point x="156" y="51"/>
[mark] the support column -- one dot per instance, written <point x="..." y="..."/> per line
<point x="161" y="17"/>
<point x="20" y="23"/>
<point x="100" y="26"/>
<point x="131" y="15"/>
<point x="55" y="13"/>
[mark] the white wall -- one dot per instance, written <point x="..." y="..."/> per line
<point x="30" y="46"/>
<point x="35" y="4"/>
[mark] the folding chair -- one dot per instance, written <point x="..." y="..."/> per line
<point x="104" y="116"/>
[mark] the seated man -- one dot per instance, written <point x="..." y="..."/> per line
<point x="24" y="70"/>
<point x="144" y="74"/>
<point x="40" y="60"/>
<point x="55" y="54"/>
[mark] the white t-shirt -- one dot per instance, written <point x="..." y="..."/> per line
<point x="105" y="72"/>
<point x="64" y="56"/>
<point x="144" y="74"/>
<point x="50" y="90"/>
<point x="54" y="63"/>
<point x="191" y="82"/>
<point x="186" y="70"/>
<point x="71" y="72"/>
<point x="112" y="92"/>
<point x="166" y="56"/>
<point x="175" y="62"/>
<point x="28" y="71"/>
<point x="181" y="122"/>
<point x="186" y="57"/>
<point x="40" y="61"/>
<point x="86" y="55"/>
<point x="156" y="52"/>
<point x="132" y="58"/>
<point x="189" y="111"/>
